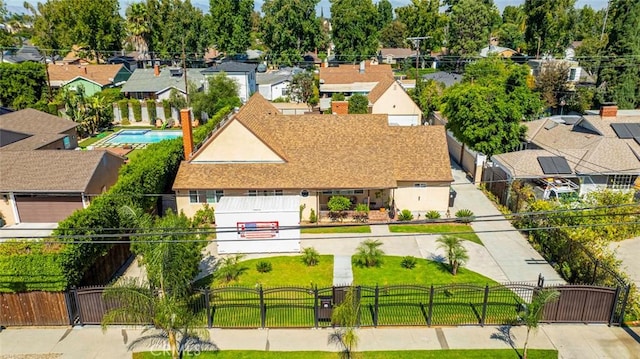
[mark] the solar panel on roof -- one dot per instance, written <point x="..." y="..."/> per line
<point x="634" y="128"/>
<point x="554" y="165"/>
<point x="621" y="130"/>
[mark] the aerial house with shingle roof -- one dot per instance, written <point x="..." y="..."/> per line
<point x="41" y="179"/>
<point x="260" y="152"/>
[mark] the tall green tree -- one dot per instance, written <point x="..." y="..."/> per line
<point x="485" y="111"/>
<point x="394" y="34"/>
<point x="138" y="27"/>
<point x="471" y="24"/>
<point x="6" y="39"/>
<point x="303" y="88"/>
<point x="511" y="32"/>
<point x="230" y="24"/>
<point x="423" y="18"/>
<point x="221" y="91"/>
<point x="94" y="25"/>
<point x="385" y="13"/>
<point x="22" y="85"/>
<point x="355" y="34"/>
<point x="290" y="28"/>
<point x="619" y="75"/>
<point x="549" y="26"/>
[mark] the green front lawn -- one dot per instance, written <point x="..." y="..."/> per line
<point x="461" y="230"/>
<point x="408" y="354"/>
<point x="339" y="229"/>
<point x="425" y="273"/>
<point x="287" y="271"/>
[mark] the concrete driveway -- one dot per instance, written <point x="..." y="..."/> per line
<point x="628" y="251"/>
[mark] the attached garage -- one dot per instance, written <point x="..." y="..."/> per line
<point x="261" y="224"/>
<point x="404" y="120"/>
<point x="46" y="209"/>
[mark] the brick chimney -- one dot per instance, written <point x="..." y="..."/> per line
<point x="187" y="135"/>
<point x="156" y="70"/>
<point x="608" y="110"/>
<point x="340" y="107"/>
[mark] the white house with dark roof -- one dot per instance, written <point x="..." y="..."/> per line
<point x="594" y="151"/>
<point x="244" y="74"/>
<point x="156" y="83"/>
<point x="273" y="85"/>
<point x="41" y="180"/>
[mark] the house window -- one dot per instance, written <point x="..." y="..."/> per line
<point x="273" y="192"/>
<point x="344" y="192"/>
<point x="205" y="196"/>
<point x="420" y="185"/>
<point x="572" y="74"/>
<point x="621" y="181"/>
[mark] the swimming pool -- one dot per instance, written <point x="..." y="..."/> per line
<point x="142" y="136"/>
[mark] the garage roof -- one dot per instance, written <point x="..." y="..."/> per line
<point x="263" y="204"/>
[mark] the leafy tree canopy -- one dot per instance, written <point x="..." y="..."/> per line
<point x="358" y="104"/>
<point x="22" y="85"/>
<point x="423" y="18"/>
<point x="549" y="26"/>
<point x="222" y="91"/>
<point x="355" y="33"/>
<point x="471" y="23"/>
<point x="230" y="23"/>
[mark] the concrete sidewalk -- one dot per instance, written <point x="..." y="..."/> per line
<point x="572" y="341"/>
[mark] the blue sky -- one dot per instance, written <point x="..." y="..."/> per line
<point x="16" y="5"/>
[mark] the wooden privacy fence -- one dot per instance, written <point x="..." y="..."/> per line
<point x="306" y="307"/>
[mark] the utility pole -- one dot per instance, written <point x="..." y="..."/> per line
<point x="416" y="42"/>
<point x="184" y="70"/>
<point x="46" y="70"/>
<point x="604" y="23"/>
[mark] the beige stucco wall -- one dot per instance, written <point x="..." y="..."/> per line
<point x="236" y="144"/>
<point x="395" y="101"/>
<point x="106" y="175"/>
<point x="6" y="208"/>
<point x="422" y="199"/>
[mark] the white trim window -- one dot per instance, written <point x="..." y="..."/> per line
<point x="271" y="192"/>
<point x="420" y="185"/>
<point x="621" y="181"/>
<point x="205" y="196"/>
<point x="343" y="192"/>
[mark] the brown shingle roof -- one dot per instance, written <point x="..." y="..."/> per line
<point x="347" y="74"/>
<point x="328" y="151"/>
<point x="380" y="88"/>
<point x="101" y="74"/>
<point x="32" y="122"/>
<point x="48" y="170"/>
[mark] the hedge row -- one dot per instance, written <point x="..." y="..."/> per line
<point x="27" y="266"/>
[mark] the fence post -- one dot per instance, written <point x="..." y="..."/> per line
<point x="358" y="296"/>
<point x="615" y="305"/>
<point x="484" y="305"/>
<point x="315" y="307"/>
<point x="263" y="309"/>
<point x="624" y="304"/>
<point x="430" y="306"/>
<point x="75" y="296"/>
<point x="208" y="304"/>
<point x="70" y="309"/>
<point x="375" y="306"/>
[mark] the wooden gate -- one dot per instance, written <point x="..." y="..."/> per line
<point x="582" y="304"/>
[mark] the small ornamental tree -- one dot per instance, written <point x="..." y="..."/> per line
<point x="358" y="104"/>
<point x="456" y="254"/>
<point x="369" y="254"/>
<point x="532" y="313"/>
<point x="137" y="110"/>
<point x="151" y="111"/>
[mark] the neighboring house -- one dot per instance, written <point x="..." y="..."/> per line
<point x="539" y="65"/>
<point x="156" y="84"/>
<point x="315" y="157"/>
<point x="244" y="75"/>
<point x="93" y="78"/>
<point x="394" y="55"/>
<point x="448" y="79"/>
<point x="292" y="108"/>
<point x="273" y="85"/>
<point x="386" y="96"/>
<point x="23" y="54"/>
<point x="40" y="182"/>
<point x="494" y="50"/>
<point x="129" y="62"/>
<point x="586" y="153"/>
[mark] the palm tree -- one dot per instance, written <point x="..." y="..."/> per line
<point x="231" y="268"/>
<point x="138" y="28"/>
<point x="456" y="254"/>
<point x="531" y="314"/>
<point x="368" y="254"/>
<point x="346" y="316"/>
<point x="171" y="315"/>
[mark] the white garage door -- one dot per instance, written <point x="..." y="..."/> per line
<point x="404" y="120"/>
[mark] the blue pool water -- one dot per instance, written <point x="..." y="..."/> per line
<point x="142" y="136"/>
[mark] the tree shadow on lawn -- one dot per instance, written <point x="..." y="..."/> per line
<point x="504" y="335"/>
<point x="441" y="261"/>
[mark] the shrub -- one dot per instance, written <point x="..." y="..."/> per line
<point x="151" y="110"/>
<point x="362" y="207"/>
<point x="52" y="108"/>
<point x="405" y="215"/>
<point x="339" y="203"/>
<point x="205" y="215"/>
<point x="123" y="106"/>
<point x="313" y="218"/>
<point x="409" y="262"/>
<point x="302" y="207"/>
<point x="338" y="96"/>
<point x="264" y="267"/>
<point x="368" y="254"/>
<point x="137" y="110"/>
<point x="231" y="268"/>
<point x="432" y="214"/>
<point x="465" y="215"/>
<point x="310" y="256"/>
<point x="166" y="108"/>
<point x="31" y="265"/>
